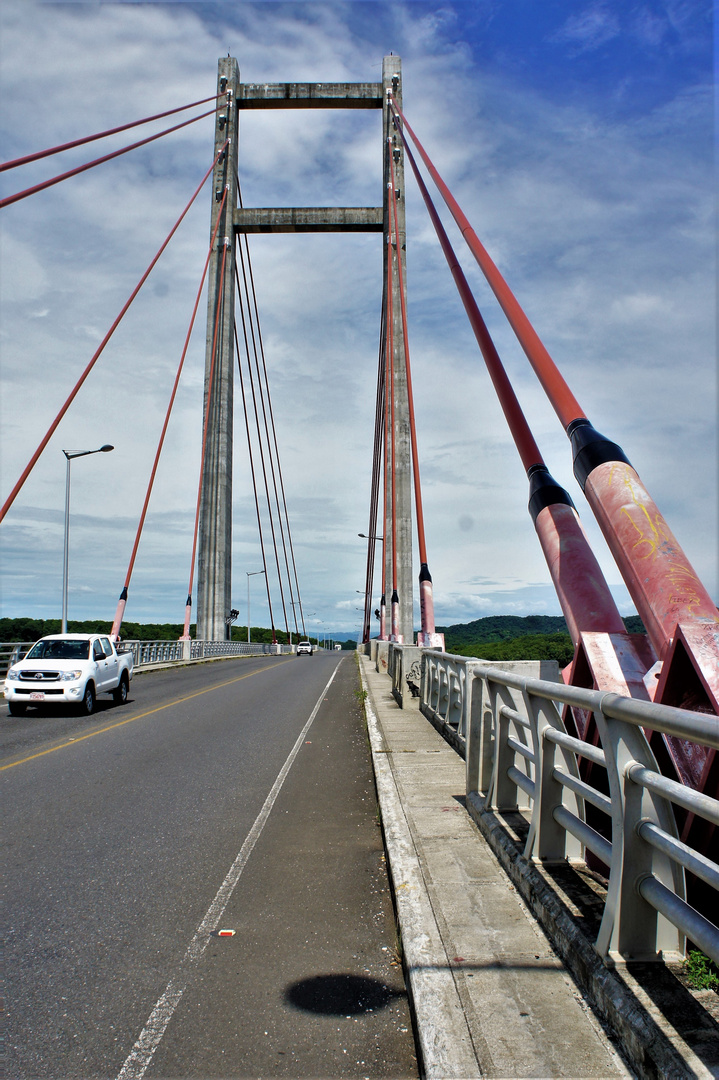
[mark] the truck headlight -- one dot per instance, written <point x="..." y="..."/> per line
<point x="12" y="675"/>
<point x="70" y="676"/>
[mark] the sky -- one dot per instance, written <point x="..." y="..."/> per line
<point x="577" y="136"/>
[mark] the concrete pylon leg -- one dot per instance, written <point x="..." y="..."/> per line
<point x="392" y="81"/>
<point x="214" y="560"/>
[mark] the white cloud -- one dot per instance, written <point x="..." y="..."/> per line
<point x="589" y="29"/>
<point x="602" y="227"/>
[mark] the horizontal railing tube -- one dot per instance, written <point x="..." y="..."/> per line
<point x="694" y="801"/>
<point x="697" y="727"/>
<point x="585" y="750"/>
<point x="521" y="780"/>
<point x="698" y="929"/>
<point x="512" y="714"/>
<point x="522" y="749"/>
<point x="590" y="794"/>
<point x="584" y="833"/>
<point x="688" y="858"/>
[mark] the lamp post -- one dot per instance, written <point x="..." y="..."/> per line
<point x="70" y="454"/>
<point x="229" y="619"/>
<point x="251" y="573"/>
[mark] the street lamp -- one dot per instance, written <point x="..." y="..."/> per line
<point x="251" y="573"/>
<point x="365" y="537"/>
<point x="70" y="454"/>
<point x="229" y="619"/>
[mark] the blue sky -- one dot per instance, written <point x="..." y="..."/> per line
<point x="578" y="138"/>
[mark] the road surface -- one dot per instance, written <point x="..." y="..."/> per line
<point x="235" y="795"/>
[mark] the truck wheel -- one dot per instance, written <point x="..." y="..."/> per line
<point x="16" y="709"/>
<point x="87" y="705"/>
<point x="121" y="692"/>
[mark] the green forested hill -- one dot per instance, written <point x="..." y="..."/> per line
<point x="515" y="637"/>
<point x="503" y="628"/>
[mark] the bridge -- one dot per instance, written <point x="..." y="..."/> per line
<point x="590" y="793"/>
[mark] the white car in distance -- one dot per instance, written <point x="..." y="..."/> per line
<point x="304" y="647"/>
<point x="70" y="669"/>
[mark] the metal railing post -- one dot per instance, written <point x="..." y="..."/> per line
<point x="480" y="735"/>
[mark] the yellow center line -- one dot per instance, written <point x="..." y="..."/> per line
<point x="140" y="716"/>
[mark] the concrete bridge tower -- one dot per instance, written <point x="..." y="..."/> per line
<point x="214" y="560"/>
<point x="214" y="570"/>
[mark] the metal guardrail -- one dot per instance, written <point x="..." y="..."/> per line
<point x="520" y="756"/>
<point x="158" y="652"/>
<point x="164" y="652"/>
<point x="11" y="652"/>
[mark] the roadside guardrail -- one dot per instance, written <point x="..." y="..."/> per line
<point x="520" y="756"/>
<point x="160" y="652"/>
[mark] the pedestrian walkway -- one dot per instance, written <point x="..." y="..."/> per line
<point x="490" y="996"/>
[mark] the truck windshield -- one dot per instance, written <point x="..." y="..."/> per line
<point x="60" y="649"/>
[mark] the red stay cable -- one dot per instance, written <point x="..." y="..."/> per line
<point x="390" y="412"/>
<point x="31" y="464"/>
<point x="5" y="165"/>
<point x="563" y="400"/>
<point x="98" y="161"/>
<point x="426" y="634"/>
<point x="395" y="615"/>
<point x="374" y="496"/>
<point x="525" y="442"/>
<point x="660" y="604"/>
<point x="123" y="595"/>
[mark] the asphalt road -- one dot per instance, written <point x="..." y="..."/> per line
<point x="135" y="835"/>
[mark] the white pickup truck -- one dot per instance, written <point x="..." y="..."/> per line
<point x="68" y="669"/>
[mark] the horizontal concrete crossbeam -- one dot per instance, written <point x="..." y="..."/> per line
<point x="309" y="96"/>
<point x="296" y="219"/>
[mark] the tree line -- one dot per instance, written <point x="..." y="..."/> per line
<point x="25" y="629"/>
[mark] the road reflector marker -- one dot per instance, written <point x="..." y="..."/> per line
<point x="225" y="933"/>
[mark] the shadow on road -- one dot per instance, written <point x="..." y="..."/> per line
<point x="340" y="995"/>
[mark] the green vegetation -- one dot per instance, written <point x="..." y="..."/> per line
<point x="530" y="647"/>
<point x="514" y="637"/>
<point x="702" y="972"/>
<point x="31" y="629"/>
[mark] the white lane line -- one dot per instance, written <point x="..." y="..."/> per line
<point x="151" y="1035"/>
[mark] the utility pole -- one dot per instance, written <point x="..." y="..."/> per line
<point x="392" y="144"/>
<point x="214" y="560"/>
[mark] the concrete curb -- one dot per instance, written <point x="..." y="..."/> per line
<point x="444" y="1040"/>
